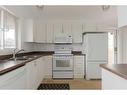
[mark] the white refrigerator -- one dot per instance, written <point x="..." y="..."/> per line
<point x="95" y="46"/>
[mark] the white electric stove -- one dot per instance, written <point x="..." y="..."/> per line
<point x="63" y="62"/>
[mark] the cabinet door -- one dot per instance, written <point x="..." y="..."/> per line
<point x="67" y="28"/>
<point x="77" y="33"/>
<point x="122" y="16"/>
<point x="31" y="75"/>
<point x="49" y="33"/>
<point x="79" y="67"/>
<point x="27" y="30"/>
<point x="14" y="80"/>
<point x="95" y="28"/>
<point x="42" y="74"/>
<point x="40" y="70"/>
<point x="57" y="29"/>
<point x="40" y="29"/>
<point x="48" y="66"/>
<point x="89" y="28"/>
<point x="35" y="73"/>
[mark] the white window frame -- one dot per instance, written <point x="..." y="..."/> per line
<point x="3" y="11"/>
<point x="4" y="51"/>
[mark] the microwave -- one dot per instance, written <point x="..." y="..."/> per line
<point x="63" y="38"/>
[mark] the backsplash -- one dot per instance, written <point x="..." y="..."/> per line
<point x="43" y="47"/>
<point x="40" y="47"/>
<point x="50" y="47"/>
<point x="27" y="46"/>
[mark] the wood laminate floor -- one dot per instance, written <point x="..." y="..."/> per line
<point x="77" y="84"/>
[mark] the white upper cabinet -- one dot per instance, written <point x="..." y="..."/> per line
<point x="62" y="28"/>
<point x="40" y="30"/>
<point x="67" y="28"/>
<point x="77" y="33"/>
<point x="89" y="28"/>
<point x="57" y="29"/>
<point x="96" y="28"/>
<point x="49" y="33"/>
<point x="34" y="31"/>
<point x="122" y="16"/>
<point x="28" y="30"/>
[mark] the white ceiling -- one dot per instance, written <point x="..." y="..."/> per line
<point x="87" y="13"/>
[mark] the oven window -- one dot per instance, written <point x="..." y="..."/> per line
<point x="62" y="63"/>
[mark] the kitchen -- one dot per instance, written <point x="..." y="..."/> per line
<point x="50" y="52"/>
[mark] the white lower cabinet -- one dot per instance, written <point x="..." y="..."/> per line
<point x="41" y="69"/>
<point x="111" y="81"/>
<point x="37" y="70"/>
<point x="15" y="79"/>
<point x="28" y="76"/>
<point x="35" y="73"/>
<point x="79" y="66"/>
<point x="48" y="66"/>
<point x="31" y="75"/>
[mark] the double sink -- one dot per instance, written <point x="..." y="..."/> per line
<point x="19" y="59"/>
<point x="22" y="58"/>
<point x="10" y="64"/>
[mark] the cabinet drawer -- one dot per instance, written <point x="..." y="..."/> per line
<point x="61" y="74"/>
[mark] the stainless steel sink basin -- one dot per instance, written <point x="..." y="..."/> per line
<point x="35" y="56"/>
<point x="20" y="58"/>
<point x="10" y="62"/>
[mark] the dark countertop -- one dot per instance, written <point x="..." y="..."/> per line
<point x="77" y="53"/>
<point x="118" y="69"/>
<point x="7" y="65"/>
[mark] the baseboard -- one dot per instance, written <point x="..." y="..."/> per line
<point x="48" y="76"/>
<point x="75" y="76"/>
<point x="78" y="76"/>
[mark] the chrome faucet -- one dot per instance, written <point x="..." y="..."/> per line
<point x="14" y="52"/>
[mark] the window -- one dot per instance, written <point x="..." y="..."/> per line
<point x="7" y="30"/>
<point x="1" y="33"/>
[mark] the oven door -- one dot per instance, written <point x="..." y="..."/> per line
<point x="63" y="62"/>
